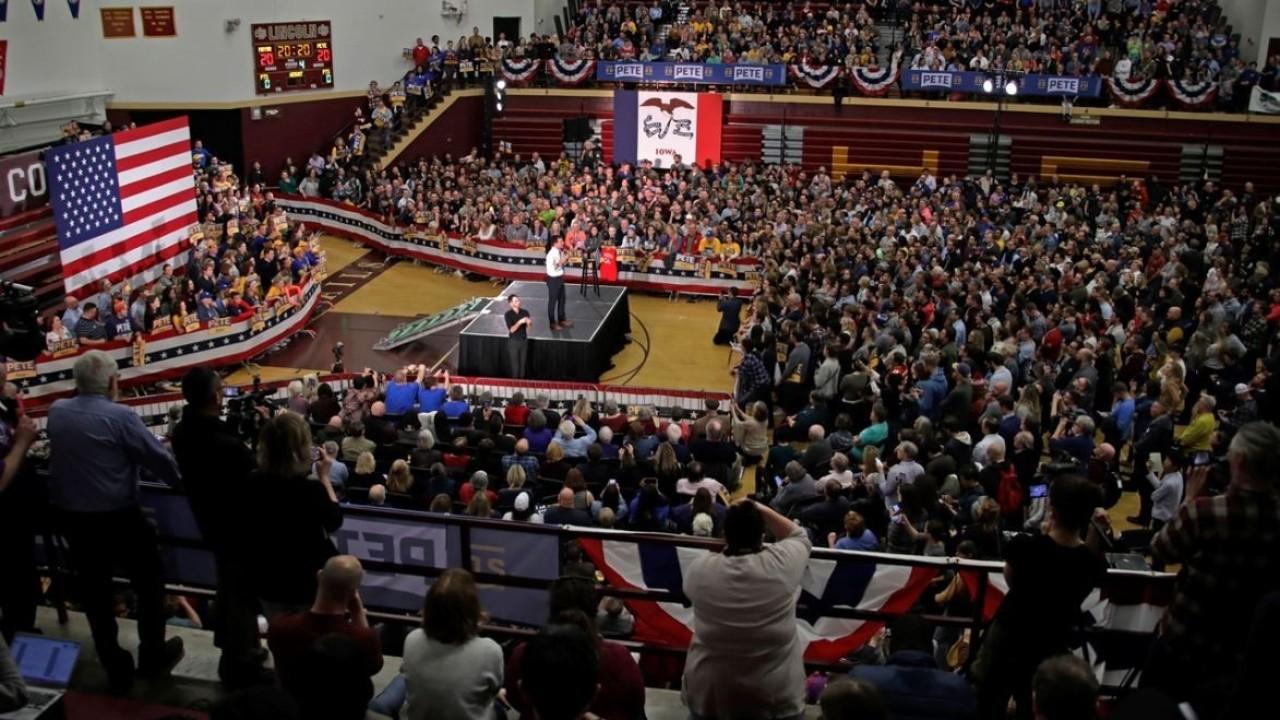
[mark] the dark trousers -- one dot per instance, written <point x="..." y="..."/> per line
<point x="517" y="357"/>
<point x="98" y="543"/>
<point x="1143" y="486"/>
<point x="555" y="299"/>
<point x="235" y="629"/>
<point x="20" y="589"/>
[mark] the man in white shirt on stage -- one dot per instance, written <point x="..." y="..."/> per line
<point x="555" y="285"/>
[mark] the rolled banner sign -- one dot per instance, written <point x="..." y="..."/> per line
<point x="572" y="72"/>
<point x="1194" y="94"/>
<point x="877" y="81"/>
<point x="1133" y="93"/>
<point x="815" y="76"/>
<point x="518" y="70"/>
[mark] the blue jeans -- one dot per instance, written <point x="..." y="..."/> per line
<point x="391" y="699"/>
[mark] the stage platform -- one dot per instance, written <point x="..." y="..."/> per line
<point x="580" y="353"/>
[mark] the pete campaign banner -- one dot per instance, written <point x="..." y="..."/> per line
<point x="660" y="126"/>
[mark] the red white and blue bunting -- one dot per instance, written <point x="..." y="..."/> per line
<point x="1132" y="93"/>
<point x="571" y="73"/>
<point x="170" y="353"/>
<point x="519" y="70"/>
<point x="815" y="76"/>
<point x="1193" y="94"/>
<point x="876" y="81"/>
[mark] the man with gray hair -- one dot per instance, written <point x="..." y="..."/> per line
<point x="574" y="447"/>
<point x="798" y="488"/>
<point x="98" y="451"/>
<point x="1229" y="547"/>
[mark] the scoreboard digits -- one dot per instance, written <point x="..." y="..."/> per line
<point x="292" y="56"/>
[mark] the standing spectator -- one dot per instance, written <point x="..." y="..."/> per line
<point x="215" y="467"/>
<point x="561" y="672"/>
<point x="1229" y="546"/>
<point x="290" y="516"/>
<point x="98" y="450"/>
<point x="294" y="639"/>
<point x="759" y="674"/>
<point x="1049" y="575"/>
<point x="20" y="591"/>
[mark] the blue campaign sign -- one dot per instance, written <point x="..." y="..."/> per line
<point x="1033" y="84"/>
<point x="697" y="73"/>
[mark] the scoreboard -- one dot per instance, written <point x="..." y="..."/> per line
<point x="292" y="56"/>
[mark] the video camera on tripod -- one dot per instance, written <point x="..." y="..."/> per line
<point x="247" y="411"/>
<point x="20" y="335"/>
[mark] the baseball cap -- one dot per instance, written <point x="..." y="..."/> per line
<point x="522" y="502"/>
<point x="962" y="368"/>
<point x="1241" y="388"/>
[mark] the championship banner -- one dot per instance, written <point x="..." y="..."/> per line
<point x="1264" y="101"/>
<point x="518" y="70"/>
<point x="574" y="72"/>
<point x="970" y="82"/>
<point x="1132" y="93"/>
<point x="1193" y="95"/>
<point x="659" y="126"/>
<point x="815" y="76"/>
<point x="875" y="82"/>
<point x="698" y="73"/>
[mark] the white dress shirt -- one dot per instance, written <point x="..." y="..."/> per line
<point x="555" y="259"/>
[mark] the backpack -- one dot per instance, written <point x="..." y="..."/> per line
<point x="1009" y="494"/>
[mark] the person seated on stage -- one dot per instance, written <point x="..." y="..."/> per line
<point x="456" y="405"/>
<point x="356" y="443"/>
<point x="401" y="395"/>
<point x="537" y="433"/>
<point x="516" y="413"/>
<point x="574" y="447"/>
<point x="378" y="427"/>
<point x="430" y="396"/>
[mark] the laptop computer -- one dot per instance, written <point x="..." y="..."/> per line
<point x="46" y="665"/>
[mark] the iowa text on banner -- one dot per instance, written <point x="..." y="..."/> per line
<point x="661" y="126"/>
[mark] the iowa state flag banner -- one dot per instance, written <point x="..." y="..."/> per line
<point x="660" y="126"/>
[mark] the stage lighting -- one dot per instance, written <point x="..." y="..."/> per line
<point x="498" y="106"/>
<point x="502" y="84"/>
<point x="988" y="85"/>
<point x="1011" y="87"/>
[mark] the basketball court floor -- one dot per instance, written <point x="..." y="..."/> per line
<point x="671" y="341"/>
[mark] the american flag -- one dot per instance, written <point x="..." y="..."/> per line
<point x="123" y="204"/>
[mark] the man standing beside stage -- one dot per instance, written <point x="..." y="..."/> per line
<point x="555" y="285"/>
<point x="518" y="322"/>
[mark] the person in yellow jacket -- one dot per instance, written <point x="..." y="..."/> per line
<point x="1197" y="436"/>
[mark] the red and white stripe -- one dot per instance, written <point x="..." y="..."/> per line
<point x="157" y="195"/>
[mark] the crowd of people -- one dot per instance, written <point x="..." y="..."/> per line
<point x="1185" y="40"/>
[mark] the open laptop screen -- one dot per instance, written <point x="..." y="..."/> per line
<point x="43" y="661"/>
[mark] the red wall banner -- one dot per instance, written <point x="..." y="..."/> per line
<point x="22" y="182"/>
<point x="4" y="55"/>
